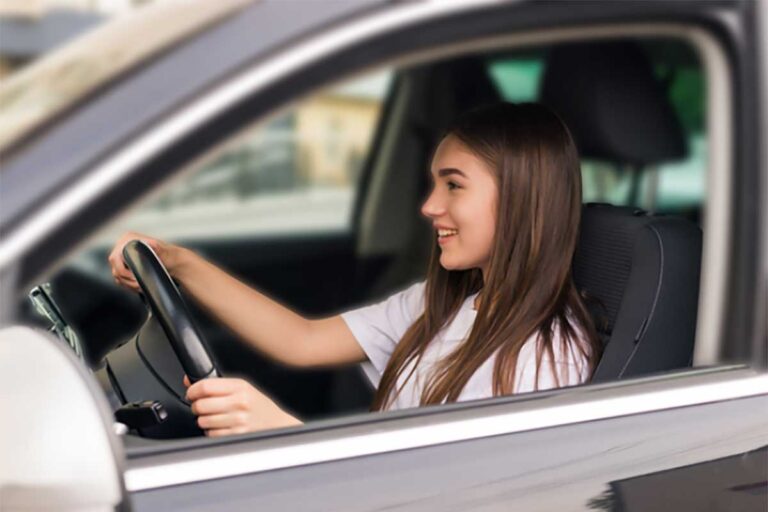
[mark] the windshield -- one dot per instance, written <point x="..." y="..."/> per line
<point x="36" y="94"/>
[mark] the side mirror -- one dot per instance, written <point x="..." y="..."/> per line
<point x="57" y="443"/>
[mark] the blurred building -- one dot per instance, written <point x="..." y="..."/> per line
<point x="31" y="28"/>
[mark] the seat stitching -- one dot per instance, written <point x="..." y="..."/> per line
<point x="655" y="301"/>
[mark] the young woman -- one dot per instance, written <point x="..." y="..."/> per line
<point x="498" y="313"/>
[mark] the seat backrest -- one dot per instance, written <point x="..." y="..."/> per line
<point x="640" y="275"/>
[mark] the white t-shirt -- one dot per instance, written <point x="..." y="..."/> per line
<point x="379" y="327"/>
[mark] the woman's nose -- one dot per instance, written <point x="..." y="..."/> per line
<point x="433" y="206"/>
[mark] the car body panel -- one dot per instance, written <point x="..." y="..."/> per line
<point x="566" y="467"/>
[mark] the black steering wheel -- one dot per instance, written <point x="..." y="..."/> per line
<point x="166" y="304"/>
<point x="146" y="371"/>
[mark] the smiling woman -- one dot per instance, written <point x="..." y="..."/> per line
<point x="428" y="344"/>
<point x="506" y="205"/>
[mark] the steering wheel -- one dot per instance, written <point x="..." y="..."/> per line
<point x="166" y="304"/>
<point x="146" y="371"/>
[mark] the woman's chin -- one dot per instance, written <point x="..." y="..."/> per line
<point x="449" y="264"/>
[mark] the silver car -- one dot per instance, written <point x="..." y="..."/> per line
<point x="287" y="142"/>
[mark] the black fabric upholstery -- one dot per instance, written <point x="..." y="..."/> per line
<point x="616" y="109"/>
<point x="640" y="274"/>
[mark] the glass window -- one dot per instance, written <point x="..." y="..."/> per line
<point x="294" y="174"/>
<point x="517" y="79"/>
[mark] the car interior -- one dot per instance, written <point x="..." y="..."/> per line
<point x="635" y="108"/>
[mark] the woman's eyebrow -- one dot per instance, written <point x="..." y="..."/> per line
<point x="449" y="171"/>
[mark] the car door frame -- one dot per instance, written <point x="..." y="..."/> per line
<point x="760" y="390"/>
<point x="740" y="383"/>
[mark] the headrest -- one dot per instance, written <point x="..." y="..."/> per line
<point x="616" y="109"/>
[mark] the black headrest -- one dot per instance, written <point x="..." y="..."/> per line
<point x="617" y="110"/>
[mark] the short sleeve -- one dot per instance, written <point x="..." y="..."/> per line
<point x="379" y="327"/>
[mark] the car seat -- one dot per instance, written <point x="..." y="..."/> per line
<point x="638" y="271"/>
<point x="640" y="276"/>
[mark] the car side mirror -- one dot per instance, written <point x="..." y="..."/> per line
<point x="59" y="450"/>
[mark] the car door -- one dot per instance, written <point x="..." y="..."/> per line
<point x="551" y="452"/>
<point x="450" y="459"/>
<point x="573" y="449"/>
<point x="565" y="449"/>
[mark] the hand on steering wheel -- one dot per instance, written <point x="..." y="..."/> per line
<point x="234" y="406"/>
<point x="166" y="253"/>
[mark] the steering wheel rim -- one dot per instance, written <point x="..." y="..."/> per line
<point x="167" y="305"/>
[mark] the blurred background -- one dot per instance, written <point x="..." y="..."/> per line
<point x="31" y="28"/>
<point x="297" y="168"/>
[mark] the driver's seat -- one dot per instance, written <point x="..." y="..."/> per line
<point x="640" y="276"/>
<point x="639" y="272"/>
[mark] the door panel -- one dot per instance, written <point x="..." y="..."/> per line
<point x="575" y="467"/>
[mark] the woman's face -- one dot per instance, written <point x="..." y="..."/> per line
<point x="462" y="206"/>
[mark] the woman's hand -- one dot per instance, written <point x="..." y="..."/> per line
<point x="234" y="406"/>
<point x="169" y="254"/>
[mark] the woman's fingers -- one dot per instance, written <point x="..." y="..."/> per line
<point x="234" y="406"/>
<point x="123" y="276"/>
<point x="120" y="271"/>
<point x="221" y="421"/>
<point x="214" y="405"/>
<point x="221" y="405"/>
<point x="214" y="387"/>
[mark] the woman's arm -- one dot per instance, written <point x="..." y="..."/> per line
<point x="266" y="325"/>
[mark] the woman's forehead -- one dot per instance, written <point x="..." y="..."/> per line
<point x="452" y="153"/>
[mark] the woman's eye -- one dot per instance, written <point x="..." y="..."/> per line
<point x="452" y="185"/>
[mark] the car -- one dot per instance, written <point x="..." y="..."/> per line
<point x="287" y="141"/>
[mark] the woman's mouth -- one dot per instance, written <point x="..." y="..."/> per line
<point x="444" y="235"/>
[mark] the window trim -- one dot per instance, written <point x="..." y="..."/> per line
<point x="466" y="421"/>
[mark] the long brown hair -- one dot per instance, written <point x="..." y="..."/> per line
<point x="529" y="288"/>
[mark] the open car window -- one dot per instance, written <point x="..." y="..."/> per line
<point x="295" y="174"/>
<point x="290" y="194"/>
<point x="223" y="172"/>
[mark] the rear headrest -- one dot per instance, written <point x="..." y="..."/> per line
<point x="616" y="109"/>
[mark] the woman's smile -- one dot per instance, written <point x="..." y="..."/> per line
<point x="445" y="235"/>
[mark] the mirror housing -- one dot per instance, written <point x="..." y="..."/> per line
<point x="59" y="450"/>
